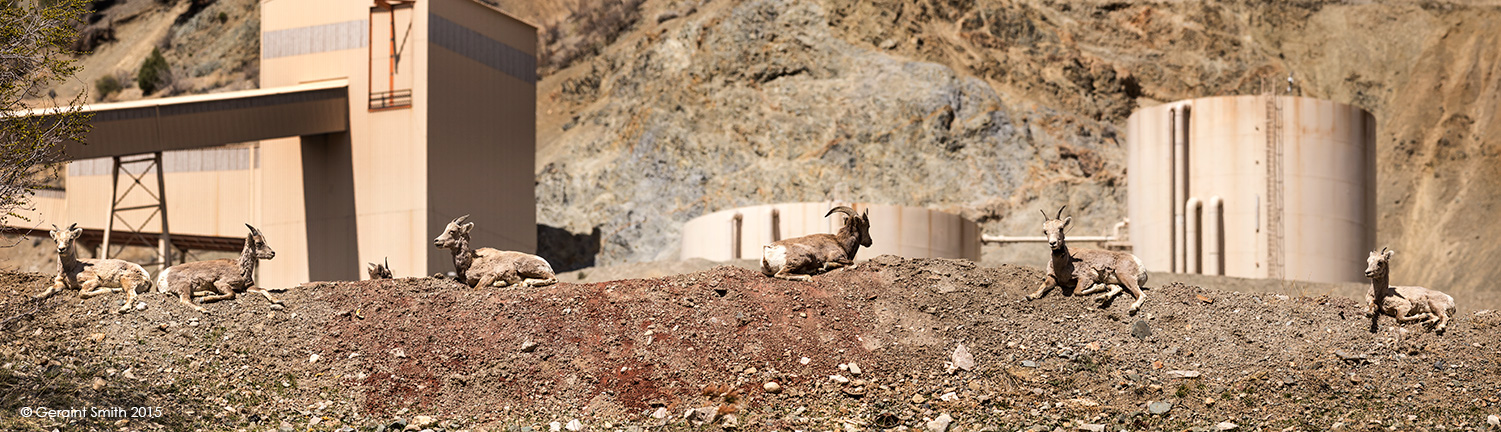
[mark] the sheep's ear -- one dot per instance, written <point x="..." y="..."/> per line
<point x="466" y="227"/>
<point x="1388" y="254"/>
<point x="1067" y="220"/>
<point x="77" y="231"/>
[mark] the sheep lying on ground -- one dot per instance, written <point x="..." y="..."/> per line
<point x="1089" y="270"/>
<point x="92" y="277"/>
<point x="486" y="267"/>
<point x="1405" y="303"/>
<point x="221" y="276"/>
<point x="799" y="258"/>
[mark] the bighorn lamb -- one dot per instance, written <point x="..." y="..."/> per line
<point x="379" y="271"/>
<point x="799" y="258"/>
<point x="486" y="267"/>
<point x="93" y="277"/>
<point x="1089" y="270"/>
<point x="1405" y="303"/>
<point x="222" y="276"/>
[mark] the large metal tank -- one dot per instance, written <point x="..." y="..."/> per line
<point x="1261" y="186"/>
<point x="912" y="232"/>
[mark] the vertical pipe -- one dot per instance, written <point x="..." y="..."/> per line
<point x="776" y="224"/>
<point x="1172" y="190"/>
<point x="735" y="231"/>
<point x="1193" y="239"/>
<point x="165" y="242"/>
<point x="1216" y="234"/>
<point x="1180" y="188"/>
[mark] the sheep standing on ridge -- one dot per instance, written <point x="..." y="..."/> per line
<point x="799" y="258"/>
<point x="222" y="276"/>
<point x="1090" y="270"/>
<point x="1405" y="303"/>
<point x="92" y="277"/>
<point x="485" y="267"/>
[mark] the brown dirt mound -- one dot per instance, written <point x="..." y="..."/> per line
<point x="609" y="354"/>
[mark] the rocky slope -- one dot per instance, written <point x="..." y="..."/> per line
<point x="994" y="109"/>
<point x="872" y="348"/>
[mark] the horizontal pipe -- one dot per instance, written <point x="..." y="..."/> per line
<point x="986" y="238"/>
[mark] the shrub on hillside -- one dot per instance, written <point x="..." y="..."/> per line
<point x="155" y="73"/>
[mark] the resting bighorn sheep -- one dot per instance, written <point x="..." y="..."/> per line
<point x="222" y="276"/>
<point x="799" y="258"/>
<point x="1405" y="303"/>
<point x="486" y="267"/>
<point x="92" y="277"/>
<point x="379" y="271"/>
<point x="1090" y="270"/>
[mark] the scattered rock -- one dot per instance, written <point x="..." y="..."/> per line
<point x="1224" y="426"/>
<point x="750" y="371"/>
<point x="398" y="424"/>
<point x="1493" y="420"/>
<point x="574" y="425"/>
<point x="940" y="424"/>
<point x="1159" y="407"/>
<point x="312" y="359"/>
<point x="804" y="360"/>
<point x="1141" y="330"/>
<point x="1351" y="357"/>
<point x="701" y="416"/>
<point x="528" y="346"/>
<point x="918" y="399"/>
<point x="423" y="421"/>
<point x="97" y="337"/>
<point x="962" y="358"/>
<point x="854" y="369"/>
<point x="277" y="306"/>
<point x="141" y="306"/>
<point x="1092" y="427"/>
<point x="1029" y="363"/>
<point x="98" y="384"/>
<point x="839" y="379"/>
<point x="555" y="427"/>
<point x="1182" y="374"/>
<point x="286" y="427"/>
<point x="660" y="413"/>
<point x="128" y="375"/>
<point x="772" y="387"/>
<point x="949" y="397"/>
<point x="730" y="422"/>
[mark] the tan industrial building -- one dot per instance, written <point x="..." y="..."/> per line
<point x="374" y="126"/>
<point x="1262" y="186"/>
<point x="913" y="232"/>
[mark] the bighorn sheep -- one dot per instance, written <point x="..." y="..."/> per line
<point x="799" y="258"/>
<point x="92" y="277"/>
<point x="486" y="267"/>
<point x="379" y="271"/>
<point x="1090" y="270"/>
<point x="1405" y="303"/>
<point x="222" y="276"/>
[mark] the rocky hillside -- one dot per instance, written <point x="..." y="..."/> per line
<point x="897" y="344"/>
<point x="995" y="109"/>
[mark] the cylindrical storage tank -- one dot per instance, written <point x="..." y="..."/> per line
<point x="912" y="232"/>
<point x="1291" y="182"/>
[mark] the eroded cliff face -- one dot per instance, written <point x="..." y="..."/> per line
<point x="997" y="109"/>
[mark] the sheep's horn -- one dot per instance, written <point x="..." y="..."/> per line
<point x="461" y="219"/>
<point x="843" y="209"/>
<point x="1060" y="212"/>
<point x="1044" y="214"/>
<point x="1383" y="249"/>
<point x="253" y="230"/>
<point x="73" y="226"/>
<point x="55" y="228"/>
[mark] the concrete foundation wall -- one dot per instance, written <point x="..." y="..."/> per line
<point x="912" y="232"/>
